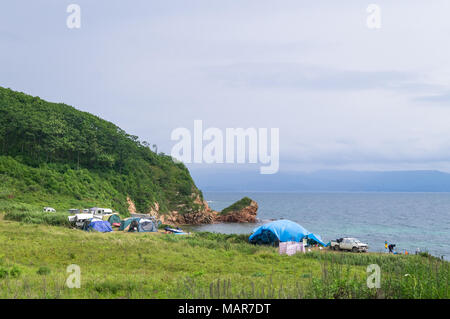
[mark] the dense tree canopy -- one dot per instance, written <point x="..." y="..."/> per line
<point x="56" y="139"/>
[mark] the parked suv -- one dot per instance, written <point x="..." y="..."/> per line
<point x="349" y="243"/>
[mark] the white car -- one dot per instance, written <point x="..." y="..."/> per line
<point x="349" y="243"/>
<point x="79" y="219"/>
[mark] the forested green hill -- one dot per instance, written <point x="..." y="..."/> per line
<point x="52" y="154"/>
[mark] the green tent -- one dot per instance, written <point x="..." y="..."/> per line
<point x="114" y="219"/>
<point x="125" y="223"/>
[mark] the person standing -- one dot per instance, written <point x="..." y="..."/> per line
<point x="391" y="248"/>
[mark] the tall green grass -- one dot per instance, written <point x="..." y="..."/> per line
<point x="203" y="265"/>
<point x="412" y="277"/>
<point x="28" y="217"/>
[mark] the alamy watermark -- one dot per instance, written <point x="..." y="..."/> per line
<point x="74" y="279"/>
<point x="374" y="18"/>
<point x="73" y="21"/>
<point x="374" y="279"/>
<point x="235" y="145"/>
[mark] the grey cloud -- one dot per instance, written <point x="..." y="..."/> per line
<point x="440" y="98"/>
<point x="301" y="76"/>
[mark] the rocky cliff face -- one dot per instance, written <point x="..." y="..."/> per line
<point x="243" y="211"/>
<point x="131" y="206"/>
<point x="205" y="215"/>
<point x="194" y="218"/>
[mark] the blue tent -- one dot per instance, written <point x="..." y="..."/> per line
<point x="282" y="231"/>
<point x="279" y="230"/>
<point x="101" y="226"/>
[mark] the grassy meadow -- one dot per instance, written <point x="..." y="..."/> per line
<point x="34" y="258"/>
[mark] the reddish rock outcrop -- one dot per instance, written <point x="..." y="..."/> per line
<point x="203" y="216"/>
<point x="246" y="214"/>
<point x="153" y="212"/>
<point x="131" y="206"/>
<point x="194" y="218"/>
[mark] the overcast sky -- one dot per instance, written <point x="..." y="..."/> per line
<point x="343" y="96"/>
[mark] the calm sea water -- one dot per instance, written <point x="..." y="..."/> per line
<point x="409" y="220"/>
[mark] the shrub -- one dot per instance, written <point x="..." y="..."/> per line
<point x="15" y="272"/>
<point x="3" y="272"/>
<point x="113" y="287"/>
<point x="43" y="270"/>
